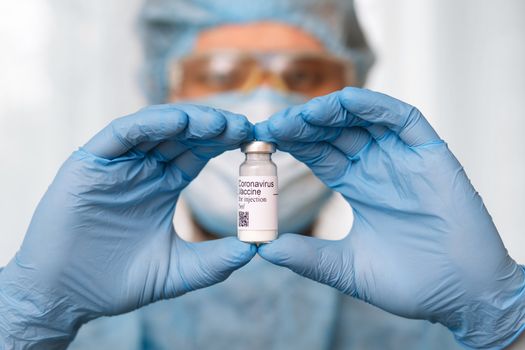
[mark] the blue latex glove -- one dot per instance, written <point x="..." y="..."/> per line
<point x="422" y="244"/>
<point x="102" y="242"/>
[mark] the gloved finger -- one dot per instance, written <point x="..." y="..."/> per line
<point x="321" y="260"/>
<point x="288" y="125"/>
<point x="352" y="140"/>
<point x="385" y="138"/>
<point x="327" y="162"/>
<point x="192" y="161"/>
<point x="147" y="146"/>
<point x="203" y="122"/>
<point x="151" y="124"/>
<point x="377" y="131"/>
<point x="261" y="132"/>
<point x="203" y="264"/>
<point x="169" y="150"/>
<point x="351" y="106"/>
<point x="237" y="129"/>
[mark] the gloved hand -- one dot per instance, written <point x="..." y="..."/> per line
<point x="422" y="243"/>
<point x="102" y="242"/>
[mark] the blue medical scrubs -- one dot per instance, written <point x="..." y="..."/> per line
<point x="262" y="306"/>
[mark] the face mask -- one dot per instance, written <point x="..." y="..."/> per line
<point x="212" y="196"/>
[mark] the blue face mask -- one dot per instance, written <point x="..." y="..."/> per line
<point x="301" y="194"/>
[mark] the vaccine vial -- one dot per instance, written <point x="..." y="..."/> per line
<point x="257" y="193"/>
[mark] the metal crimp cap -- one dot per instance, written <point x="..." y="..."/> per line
<point x="258" y="147"/>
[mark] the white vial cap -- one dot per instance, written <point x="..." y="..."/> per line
<point x="258" y="147"/>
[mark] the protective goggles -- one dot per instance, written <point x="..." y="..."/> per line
<point x="310" y="74"/>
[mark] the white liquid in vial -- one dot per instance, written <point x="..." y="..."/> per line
<point x="257" y="199"/>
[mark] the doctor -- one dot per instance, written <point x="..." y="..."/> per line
<point x="102" y="242"/>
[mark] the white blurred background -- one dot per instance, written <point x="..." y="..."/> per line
<point x="69" y="67"/>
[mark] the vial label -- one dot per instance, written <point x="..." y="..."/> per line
<point x="257" y="209"/>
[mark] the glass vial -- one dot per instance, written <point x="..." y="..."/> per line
<point x="257" y="194"/>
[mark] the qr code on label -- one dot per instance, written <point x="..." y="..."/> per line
<point x="244" y="218"/>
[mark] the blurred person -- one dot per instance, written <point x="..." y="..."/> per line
<point x="215" y="62"/>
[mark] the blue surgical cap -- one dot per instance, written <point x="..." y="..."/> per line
<point x="169" y="29"/>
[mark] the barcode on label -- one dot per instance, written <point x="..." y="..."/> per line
<point x="244" y="218"/>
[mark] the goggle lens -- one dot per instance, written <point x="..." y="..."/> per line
<point x="308" y="74"/>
